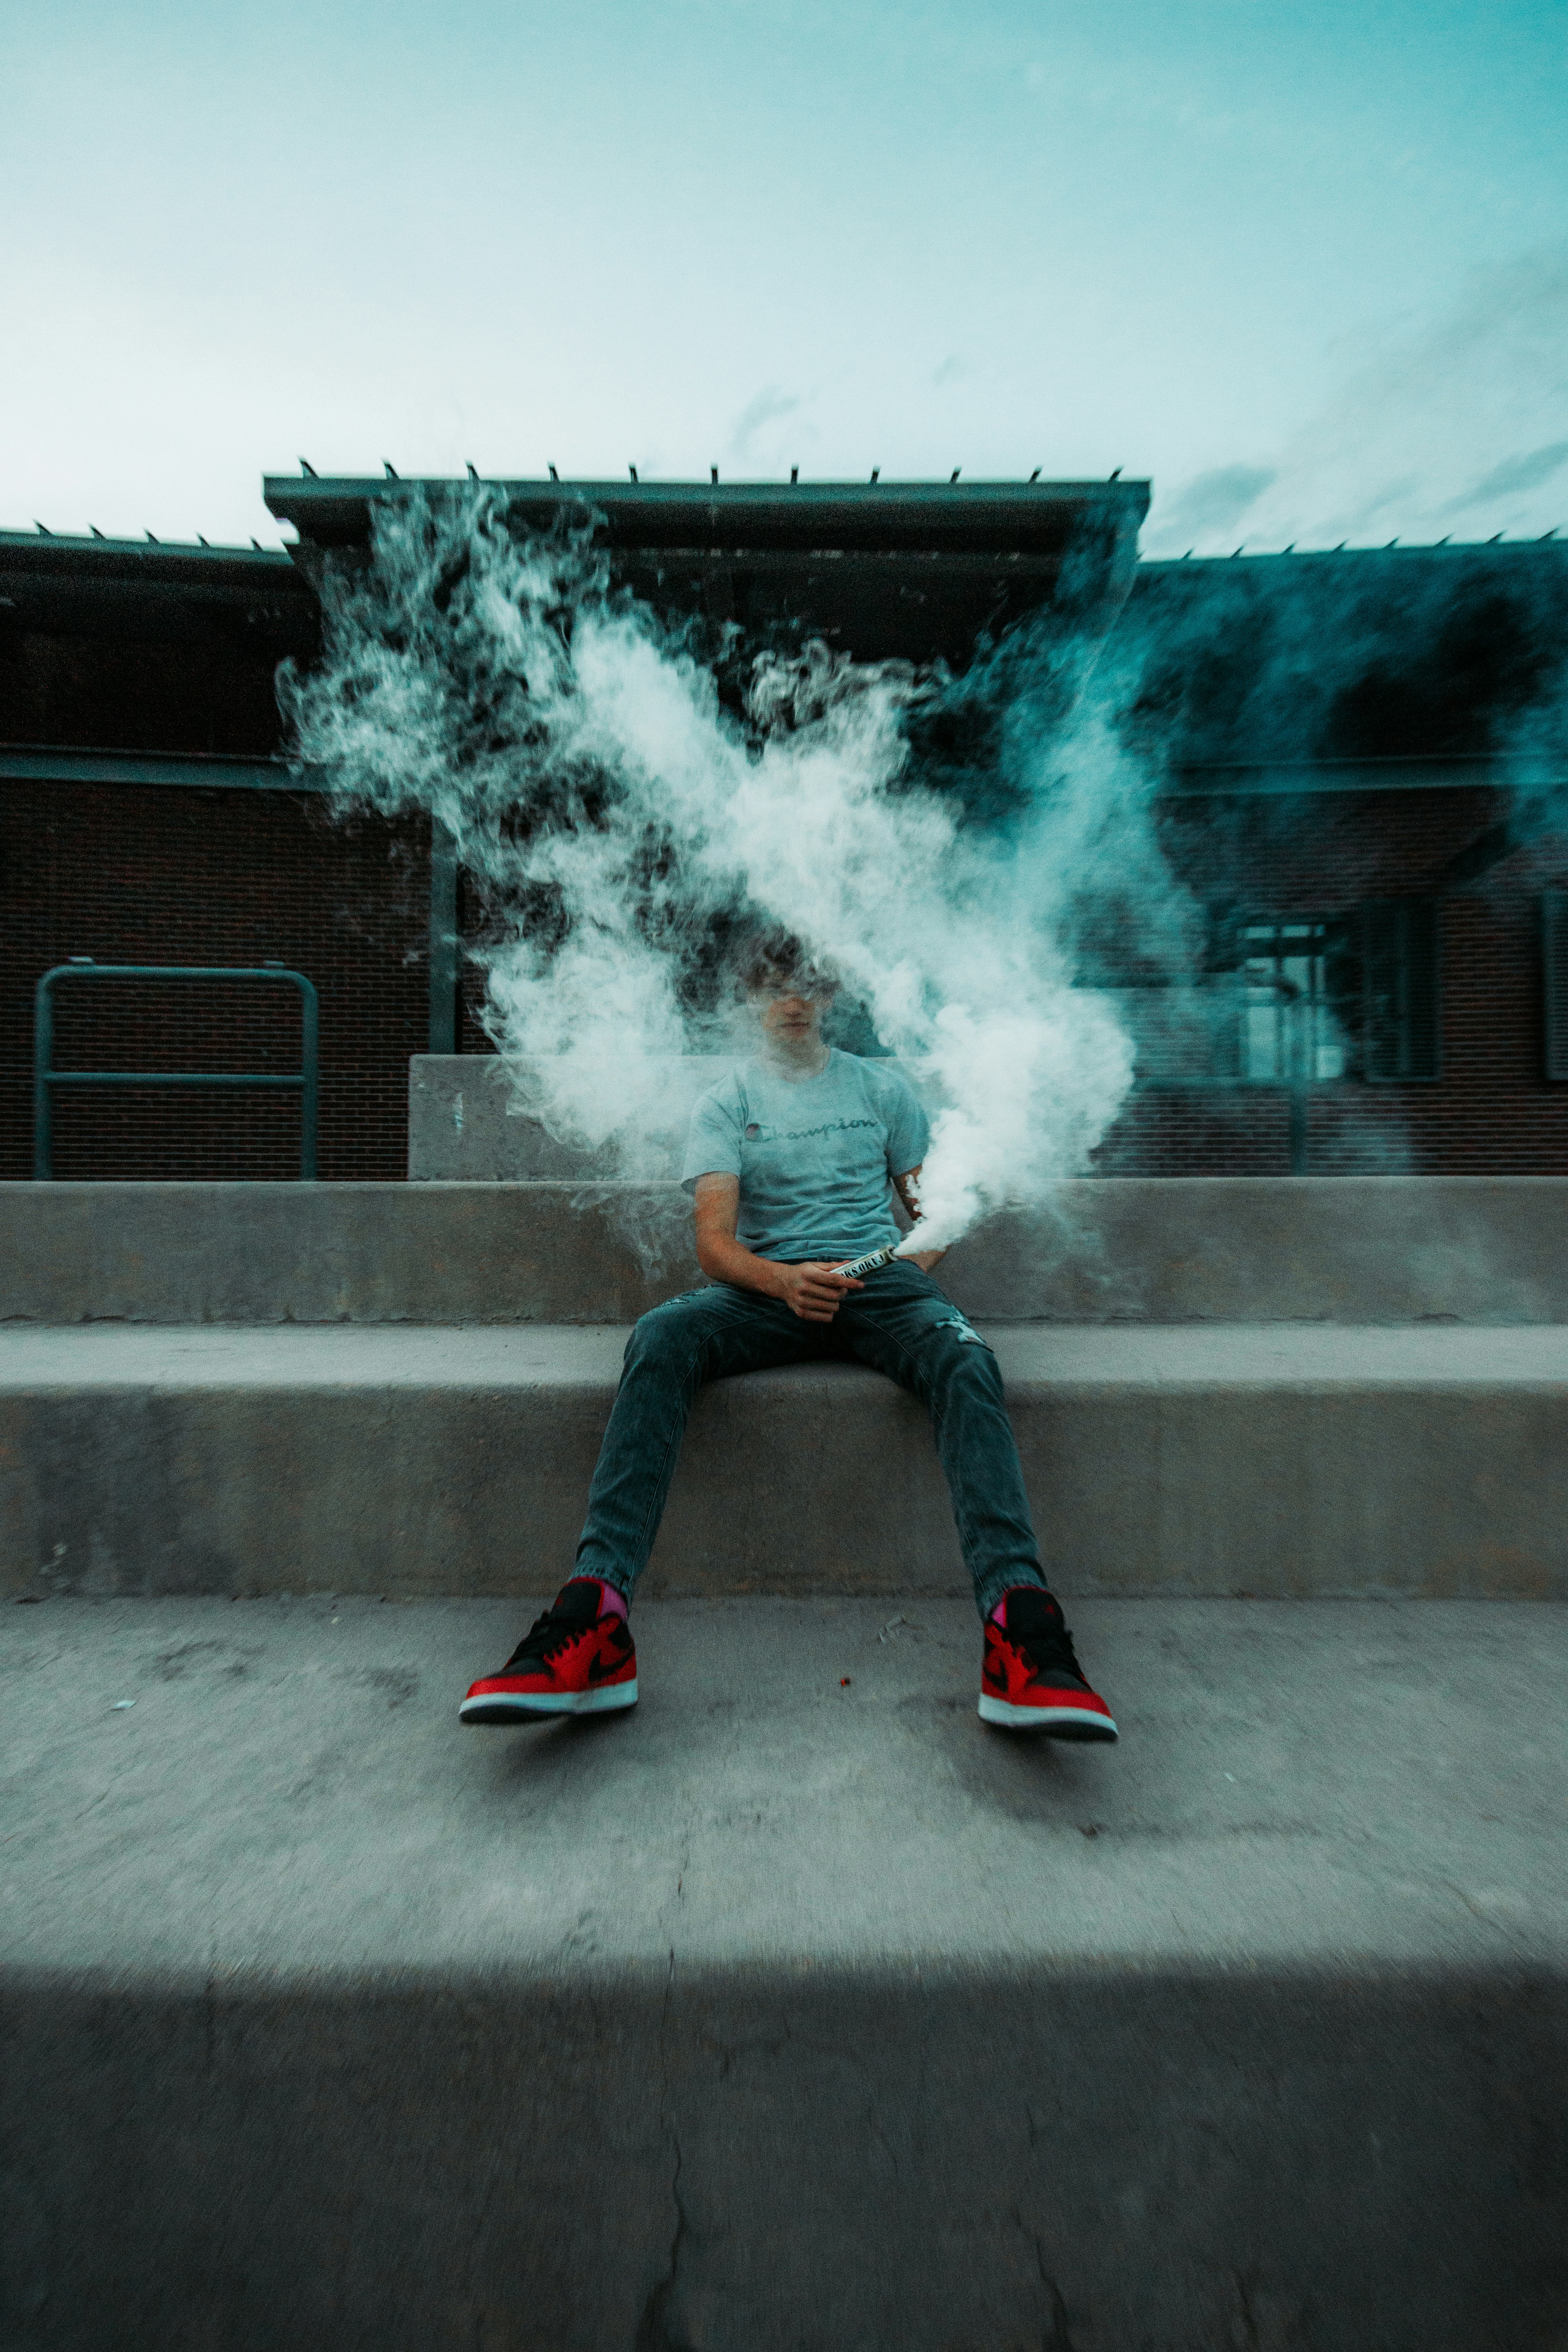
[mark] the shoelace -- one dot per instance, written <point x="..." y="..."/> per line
<point x="1047" y="1643"/>
<point x="1057" y="1656"/>
<point x="549" y="1635"/>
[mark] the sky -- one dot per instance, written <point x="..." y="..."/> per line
<point x="1305" y="266"/>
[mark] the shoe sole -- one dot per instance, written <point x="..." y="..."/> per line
<point x="1059" y="1722"/>
<point x="499" y="1709"/>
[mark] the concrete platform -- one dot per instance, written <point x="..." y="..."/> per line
<point x="795" y="2010"/>
<point x="1363" y="1250"/>
<point x="1267" y="1460"/>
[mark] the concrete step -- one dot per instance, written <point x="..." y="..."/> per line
<point x="1475" y="1250"/>
<point x="1240" y="1459"/>
<point x="794" y="2009"/>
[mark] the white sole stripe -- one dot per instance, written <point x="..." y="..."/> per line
<point x="1041" y="1719"/>
<point x="603" y="1701"/>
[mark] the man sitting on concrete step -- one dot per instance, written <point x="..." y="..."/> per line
<point x="793" y="1160"/>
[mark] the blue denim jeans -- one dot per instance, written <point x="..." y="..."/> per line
<point x="902" y="1324"/>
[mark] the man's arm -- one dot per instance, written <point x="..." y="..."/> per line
<point x="908" y="1188"/>
<point x="812" y="1292"/>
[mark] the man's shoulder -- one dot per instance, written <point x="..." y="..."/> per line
<point x="723" y="1095"/>
<point x="883" y="1080"/>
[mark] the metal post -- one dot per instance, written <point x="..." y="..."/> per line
<point x="443" y="954"/>
<point x="43" y="1097"/>
<point x="309" y="1074"/>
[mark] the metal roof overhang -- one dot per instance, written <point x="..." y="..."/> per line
<point x="130" y="589"/>
<point x="916" y="569"/>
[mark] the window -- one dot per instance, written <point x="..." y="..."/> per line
<point x="1284" y="1000"/>
<point x="1293" y="986"/>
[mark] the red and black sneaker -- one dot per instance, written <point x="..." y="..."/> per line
<point x="577" y="1659"/>
<point x="1031" y="1679"/>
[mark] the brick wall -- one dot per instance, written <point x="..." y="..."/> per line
<point x="172" y="875"/>
<point x="167" y="875"/>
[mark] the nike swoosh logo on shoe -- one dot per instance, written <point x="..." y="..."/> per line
<point x="600" y="1670"/>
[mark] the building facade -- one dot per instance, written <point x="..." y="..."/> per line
<point x="1356" y="761"/>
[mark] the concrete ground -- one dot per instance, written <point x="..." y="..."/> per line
<point x="1294" y="1781"/>
<point x="795" y="2007"/>
<point x="1269" y="1459"/>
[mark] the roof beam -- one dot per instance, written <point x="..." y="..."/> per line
<point x="44" y="764"/>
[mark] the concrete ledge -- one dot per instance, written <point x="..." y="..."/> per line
<point x="1250" y="1460"/>
<point x="788" y="2011"/>
<point x="1370" y="1250"/>
<point x="341" y="1252"/>
<point x="464" y="1123"/>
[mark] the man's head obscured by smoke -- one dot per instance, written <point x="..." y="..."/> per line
<point x="779" y="963"/>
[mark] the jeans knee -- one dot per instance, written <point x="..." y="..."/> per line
<point x="655" y="1341"/>
<point x="964" y="1366"/>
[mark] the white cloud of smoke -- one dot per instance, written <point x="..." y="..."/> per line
<point x="628" y="831"/>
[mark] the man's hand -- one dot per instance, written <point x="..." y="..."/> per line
<point x="813" y="1291"/>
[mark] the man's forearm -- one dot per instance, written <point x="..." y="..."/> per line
<point x="724" y="1260"/>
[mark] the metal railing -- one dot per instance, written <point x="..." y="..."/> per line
<point x="305" y="1080"/>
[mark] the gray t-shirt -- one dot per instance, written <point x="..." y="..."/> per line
<point x="815" y="1156"/>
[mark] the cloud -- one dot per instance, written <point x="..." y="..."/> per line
<point x="769" y="405"/>
<point x="1387" y="451"/>
<point x="1377" y="501"/>
<point x="1215" y="500"/>
<point x="1515" y="474"/>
